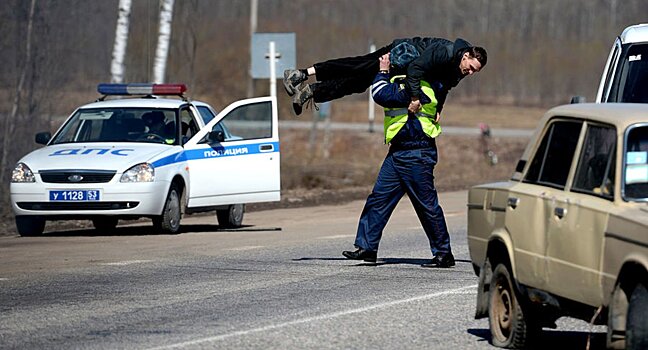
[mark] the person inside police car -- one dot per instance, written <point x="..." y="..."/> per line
<point x="155" y="125"/>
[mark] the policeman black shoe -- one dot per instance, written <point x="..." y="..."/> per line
<point x="361" y="254"/>
<point x="441" y="260"/>
<point x="292" y="78"/>
<point x="304" y="93"/>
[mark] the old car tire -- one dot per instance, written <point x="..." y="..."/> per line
<point x="169" y="221"/>
<point x="105" y="223"/>
<point x="30" y="225"/>
<point x="637" y="323"/>
<point x="508" y="326"/>
<point x="232" y="216"/>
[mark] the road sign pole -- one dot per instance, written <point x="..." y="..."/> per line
<point x="273" y="73"/>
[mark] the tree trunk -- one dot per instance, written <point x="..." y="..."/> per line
<point x="164" y="36"/>
<point x="10" y="123"/>
<point x="121" y="41"/>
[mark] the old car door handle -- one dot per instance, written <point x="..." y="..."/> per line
<point x="513" y="202"/>
<point x="266" y="148"/>
<point x="560" y="212"/>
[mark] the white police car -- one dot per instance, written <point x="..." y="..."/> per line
<point x="148" y="156"/>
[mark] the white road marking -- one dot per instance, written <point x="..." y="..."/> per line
<point x="336" y="236"/>
<point x="246" y="247"/>
<point x="125" y="262"/>
<point x="3" y="279"/>
<point x="316" y="318"/>
<point x="455" y="213"/>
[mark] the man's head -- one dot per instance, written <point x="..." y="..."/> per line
<point x="154" y="120"/>
<point x="473" y="60"/>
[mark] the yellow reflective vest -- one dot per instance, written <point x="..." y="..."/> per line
<point x="395" y="118"/>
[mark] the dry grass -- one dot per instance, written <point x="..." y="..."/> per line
<point x="354" y="158"/>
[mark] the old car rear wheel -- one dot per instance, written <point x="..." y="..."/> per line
<point x="637" y="323"/>
<point x="506" y="318"/>
<point x="232" y="216"/>
<point x="169" y="221"/>
<point x="30" y="225"/>
<point x="105" y="223"/>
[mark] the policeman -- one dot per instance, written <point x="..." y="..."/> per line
<point x="407" y="168"/>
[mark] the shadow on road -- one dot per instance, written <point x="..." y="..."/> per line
<point x="554" y="338"/>
<point x="381" y="261"/>
<point x="150" y="231"/>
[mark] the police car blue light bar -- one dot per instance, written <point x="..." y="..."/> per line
<point x="141" y="89"/>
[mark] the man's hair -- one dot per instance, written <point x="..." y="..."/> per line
<point x="479" y="53"/>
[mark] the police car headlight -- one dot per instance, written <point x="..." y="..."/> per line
<point x="139" y="173"/>
<point x="22" y="173"/>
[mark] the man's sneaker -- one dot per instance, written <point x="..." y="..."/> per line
<point x="441" y="260"/>
<point x="304" y="93"/>
<point x="361" y="254"/>
<point x="292" y="78"/>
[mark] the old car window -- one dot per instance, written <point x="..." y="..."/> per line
<point x="595" y="172"/>
<point x="552" y="161"/>
<point x="636" y="164"/>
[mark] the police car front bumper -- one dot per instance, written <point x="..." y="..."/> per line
<point x="115" y="199"/>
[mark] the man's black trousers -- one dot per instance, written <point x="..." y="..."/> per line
<point x="345" y="76"/>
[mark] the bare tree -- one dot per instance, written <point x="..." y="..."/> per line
<point x="10" y="123"/>
<point x="164" y="36"/>
<point x="121" y="41"/>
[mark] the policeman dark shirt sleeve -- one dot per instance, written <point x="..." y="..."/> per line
<point x="391" y="95"/>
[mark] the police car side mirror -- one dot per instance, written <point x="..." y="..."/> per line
<point x="43" y="138"/>
<point x="216" y="136"/>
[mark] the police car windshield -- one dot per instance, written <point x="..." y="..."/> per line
<point x="120" y="125"/>
<point x="633" y="76"/>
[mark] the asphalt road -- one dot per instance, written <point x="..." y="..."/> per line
<point x="278" y="283"/>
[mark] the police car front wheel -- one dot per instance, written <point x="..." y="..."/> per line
<point x="169" y="221"/>
<point x="28" y="225"/>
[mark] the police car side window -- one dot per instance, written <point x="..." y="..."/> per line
<point x="188" y="126"/>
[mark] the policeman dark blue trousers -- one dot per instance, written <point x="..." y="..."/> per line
<point x="408" y="172"/>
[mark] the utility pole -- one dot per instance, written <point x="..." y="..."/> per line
<point x="253" y="28"/>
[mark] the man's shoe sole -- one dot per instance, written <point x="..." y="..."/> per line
<point x="352" y="257"/>
<point x="290" y="89"/>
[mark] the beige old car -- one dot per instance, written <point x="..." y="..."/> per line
<point x="568" y="234"/>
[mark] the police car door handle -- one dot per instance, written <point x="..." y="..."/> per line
<point x="560" y="212"/>
<point x="266" y="148"/>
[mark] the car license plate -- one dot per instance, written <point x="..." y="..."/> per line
<point x="74" y="195"/>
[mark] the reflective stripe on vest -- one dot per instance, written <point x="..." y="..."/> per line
<point x="395" y="118"/>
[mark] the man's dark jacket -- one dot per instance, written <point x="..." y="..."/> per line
<point x="438" y="62"/>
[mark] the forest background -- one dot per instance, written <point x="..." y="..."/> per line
<point x="540" y="54"/>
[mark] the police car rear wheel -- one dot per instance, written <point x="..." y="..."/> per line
<point x="105" y="223"/>
<point x="30" y="225"/>
<point x="169" y="221"/>
<point x="232" y="216"/>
